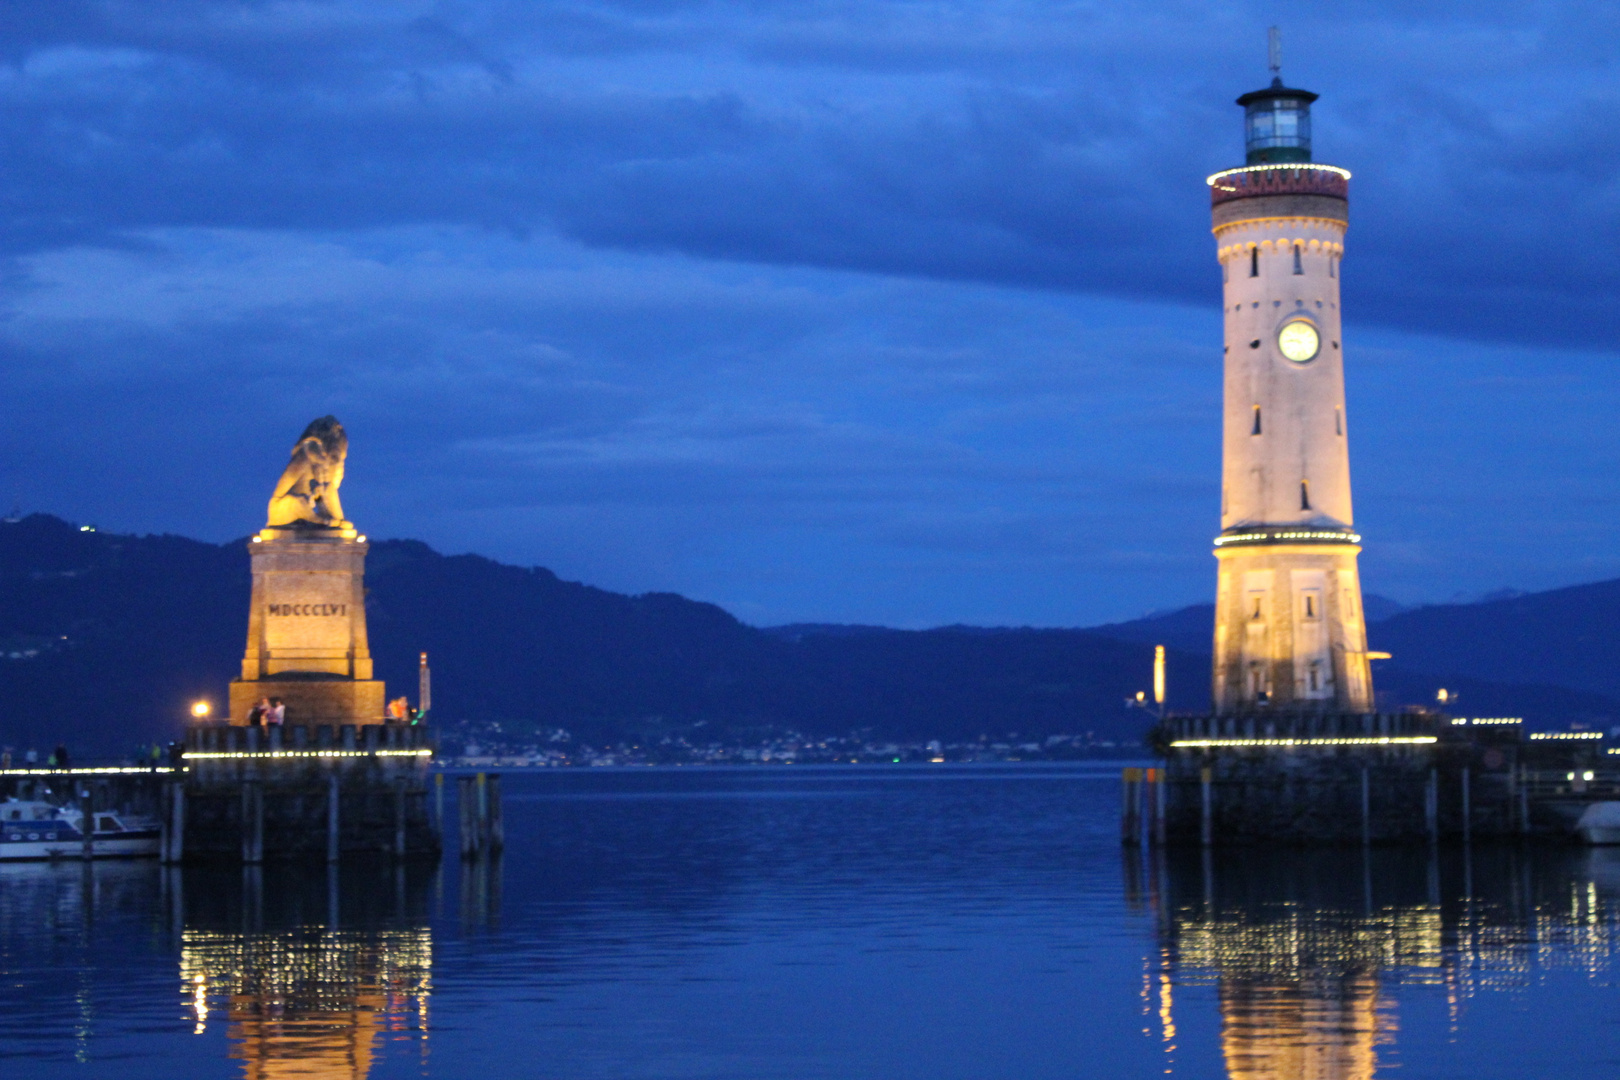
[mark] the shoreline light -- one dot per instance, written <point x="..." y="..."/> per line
<point x="97" y="770"/>
<point x="216" y="755"/>
<point x="1478" y="720"/>
<point x="1538" y="735"/>
<point x="1327" y="740"/>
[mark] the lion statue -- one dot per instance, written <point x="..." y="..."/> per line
<point x="307" y="493"/>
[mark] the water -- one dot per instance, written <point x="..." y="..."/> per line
<point x="895" y="922"/>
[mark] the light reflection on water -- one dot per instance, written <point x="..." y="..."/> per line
<point x="962" y="922"/>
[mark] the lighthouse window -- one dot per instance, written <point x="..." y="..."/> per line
<point x="1299" y="267"/>
<point x="1313" y="677"/>
<point x="1256" y="430"/>
<point x="1304" y="494"/>
<point x="1224" y="274"/>
<point x="1254" y="262"/>
<point x="1331" y="261"/>
<point x="1338" y="422"/>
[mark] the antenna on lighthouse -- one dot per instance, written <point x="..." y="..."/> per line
<point x="1274" y="50"/>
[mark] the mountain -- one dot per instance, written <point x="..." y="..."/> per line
<point x="1565" y="637"/>
<point x="106" y="639"/>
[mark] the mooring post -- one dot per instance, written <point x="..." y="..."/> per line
<point x="1130" y="817"/>
<point x="334" y="820"/>
<point x="399" y="817"/>
<point x="1524" y="802"/>
<point x="176" y="850"/>
<point x="252" y="823"/>
<point x="438" y="803"/>
<point x="1431" y="805"/>
<point x="1468" y="825"/>
<point x="1366" y="807"/>
<point x="494" y="828"/>
<point x="481" y="801"/>
<point x="87" y="822"/>
<point x="1159" y="816"/>
<point x="466" y="804"/>
<point x="1206" y="824"/>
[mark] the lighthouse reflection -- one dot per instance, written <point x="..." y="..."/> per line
<point x="1309" y="955"/>
<point x="315" y="975"/>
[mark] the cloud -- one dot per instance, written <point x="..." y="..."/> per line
<point x="1009" y="143"/>
<point x="879" y="312"/>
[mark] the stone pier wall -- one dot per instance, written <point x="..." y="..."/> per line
<point x="263" y="793"/>
<point x="1332" y="779"/>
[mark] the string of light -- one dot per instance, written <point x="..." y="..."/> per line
<point x="216" y="755"/>
<point x="1295" y="166"/>
<point x="1326" y="740"/>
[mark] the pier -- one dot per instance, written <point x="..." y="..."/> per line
<point x="1396" y="778"/>
<point x="302" y="790"/>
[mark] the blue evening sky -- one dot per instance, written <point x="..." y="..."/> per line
<point x="898" y="313"/>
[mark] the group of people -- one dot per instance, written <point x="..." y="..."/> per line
<point x="58" y="758"/>
<point x="268" y="712"/>
<point x="400" y="712"/>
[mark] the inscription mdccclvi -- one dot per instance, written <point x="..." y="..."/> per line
<point x="309" y="609"/>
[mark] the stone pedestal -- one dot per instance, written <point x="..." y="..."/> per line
<point x="307" y="629"/>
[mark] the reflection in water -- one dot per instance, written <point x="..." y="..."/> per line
<point x="303" y="996"/>
<point x="1305" y="950"/>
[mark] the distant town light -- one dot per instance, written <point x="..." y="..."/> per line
<point x="1566" y="735"/>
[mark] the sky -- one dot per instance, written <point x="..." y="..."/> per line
<point x="893" y="313"/>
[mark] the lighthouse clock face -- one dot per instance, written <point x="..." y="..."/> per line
<point x="1298" y="341"/>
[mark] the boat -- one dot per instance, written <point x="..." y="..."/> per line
<point x="34" y="829"/>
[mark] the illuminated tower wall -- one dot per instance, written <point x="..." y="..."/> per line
<point x="1289" y="631"/>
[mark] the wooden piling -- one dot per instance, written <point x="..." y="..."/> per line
<point x="1431" y="805"/>
<point x="467" y="805"/>
<point x="1366" y="807"/>
<point x="1206" y="823"/>
<point x="399" y="818"/>
<point x="1130" y="818"/>
<point x="1160" y="817"/>
<point x="1467" y="814"/>
<point x="1524" y="803"/>
<point x="494" y="827"/>
<point x="87" y="822"/>
<point x="252" y="822"/>
<point x="173" y="842"/>
<point x="334" y="820"/>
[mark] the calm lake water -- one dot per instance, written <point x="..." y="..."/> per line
<point x="929" y="922"/>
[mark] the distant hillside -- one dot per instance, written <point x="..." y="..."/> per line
<point x="1565" y="637"/>
<point x="105" y="639"/>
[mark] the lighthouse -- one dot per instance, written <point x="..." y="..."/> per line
<point x="1290" y="635"/>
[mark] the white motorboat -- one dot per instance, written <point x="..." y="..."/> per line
<point x="34" y="829"/>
